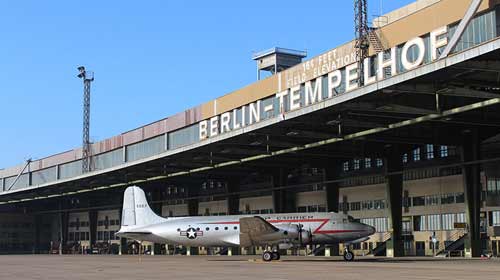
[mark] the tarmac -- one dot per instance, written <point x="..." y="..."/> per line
<point x="110" y="267"/>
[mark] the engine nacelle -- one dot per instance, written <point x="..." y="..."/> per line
<point x="296" y="234"/>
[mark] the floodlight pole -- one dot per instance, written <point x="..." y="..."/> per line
<point x="87" y="78"/>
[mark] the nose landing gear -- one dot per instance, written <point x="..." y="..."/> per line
<point x="348" y="255"/>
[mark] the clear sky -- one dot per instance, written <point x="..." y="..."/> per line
<point x="151" y="59"/>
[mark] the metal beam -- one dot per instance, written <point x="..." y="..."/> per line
<point x="474" y="6"/>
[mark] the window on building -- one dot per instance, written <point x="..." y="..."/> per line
<point x="418" y="201"/>
<point x="356" y="164"/>
<point x="99" y="235"/>
<point x="405" y="158"/>
<point x="380" y="224"/>
<point x="367" y="205"/>
<point x="448" y="221"/>
<point x="416" y="154"/>
<point x="430" y="151"/>
<point x="432" y="200"/>
<point x="443" y="151"/>
<point x="448" y="198"/>
<point x="495" y="218"/>
<point x="379" y="204"/>
<point x="380" y="162"/>
<point x="355" y="206"/>
<point x="493" y="186"/>
<point x="368" y="163"/>
<point x="312" y="208"/>
<point x="431" y="222"/>
<point x="460" y="198"/>
<point x="345" y="166"/>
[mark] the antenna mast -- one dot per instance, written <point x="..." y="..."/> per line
<point x="361" y="30"/>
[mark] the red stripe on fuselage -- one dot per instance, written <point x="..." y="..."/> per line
<point x="316" y="231"/>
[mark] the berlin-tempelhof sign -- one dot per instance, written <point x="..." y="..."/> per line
<point x="334" y="75"/>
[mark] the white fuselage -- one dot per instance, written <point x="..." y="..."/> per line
<point x="325" y="228"/>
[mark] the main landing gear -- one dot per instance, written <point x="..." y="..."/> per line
<point x="268" y="256"/>
<point x="348" y="255"/>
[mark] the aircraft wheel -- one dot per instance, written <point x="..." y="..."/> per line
<point x="348" y="256"/>
<point x="267" y="256"/>
<point x="276" y="255"/>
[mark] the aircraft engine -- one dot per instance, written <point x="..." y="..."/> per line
<point x="296" y="234"/>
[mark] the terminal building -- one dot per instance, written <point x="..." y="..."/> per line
<point x="413" y="149"/>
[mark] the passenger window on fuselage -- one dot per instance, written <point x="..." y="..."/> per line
<point x="225" y="228"/>
<point x="207" y="229"/>
<point x="216" y="228"/>
<point x="235" y="228"/>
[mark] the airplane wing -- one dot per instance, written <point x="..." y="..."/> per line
<point x="252" y="229"/>
<point x="133" y="234"/>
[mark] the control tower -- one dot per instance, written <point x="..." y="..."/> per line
<point x="276" y="59"/>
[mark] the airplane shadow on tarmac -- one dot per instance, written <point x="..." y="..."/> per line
<point x="362" y="260"/>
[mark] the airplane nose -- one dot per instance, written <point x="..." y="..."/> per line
<point x="371" y="230"/>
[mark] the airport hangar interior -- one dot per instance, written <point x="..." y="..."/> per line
<point x="411" y="146"/>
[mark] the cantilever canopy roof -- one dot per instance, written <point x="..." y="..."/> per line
<point x="435" y="103"/>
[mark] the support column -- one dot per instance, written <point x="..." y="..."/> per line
<point x="156" y="205"/>
<point x="284" y="200"/>
<point x="471" y="151"/>
<point x="233" y="206"/>
<point x="92" y="229"/>
<point x="38" y="228"/>
<point x="394" y="193"/>
<point x="63" y="230"/>
<point x="332" y="201"/>
<point x="193" y="206"/>
<point x="233" y="200"/>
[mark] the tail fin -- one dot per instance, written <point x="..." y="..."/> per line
<point x="136" y="211"/>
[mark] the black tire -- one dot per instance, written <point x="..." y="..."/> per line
<point x="276" y="256"/>
<point x="267" y="256"/>
<point x="348" y="256"/>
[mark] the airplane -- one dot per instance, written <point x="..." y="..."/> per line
<point x="274" y="231"/>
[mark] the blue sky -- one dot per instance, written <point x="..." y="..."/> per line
<point x="151" y="59"/>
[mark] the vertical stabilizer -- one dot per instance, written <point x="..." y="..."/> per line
<point x="136" y="211"/>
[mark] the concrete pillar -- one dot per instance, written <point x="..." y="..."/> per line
<point x="38" y="228"/>
<point x="394" y="193"/>
<point x="332" y="199"/>
<point x="471" y="151"/>
<point x="192" y="207"/>
<point x="92" y="228"/>
<point x="156" y="206"/>
<point x="284" y="200"/>
<point x="63" y="229"/>
<point x="233" y="200"/>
